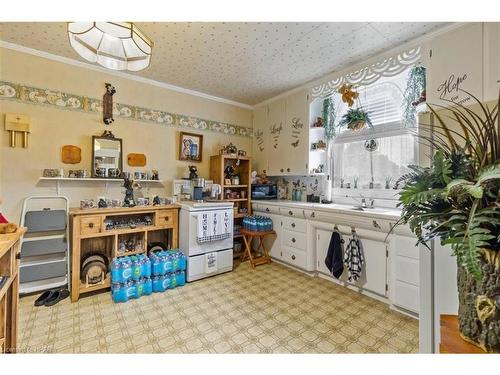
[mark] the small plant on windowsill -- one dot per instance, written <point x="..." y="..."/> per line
<point x="356" y="119"/>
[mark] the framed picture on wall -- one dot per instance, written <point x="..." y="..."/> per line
<point x="190" y="147"/>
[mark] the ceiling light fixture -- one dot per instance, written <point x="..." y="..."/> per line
<point x="114" y="45"/>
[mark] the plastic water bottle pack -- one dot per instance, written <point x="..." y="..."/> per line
<point x="139" y="275"/>
<point x="257" y="223"/>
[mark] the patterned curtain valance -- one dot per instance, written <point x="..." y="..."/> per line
<point x="387" y="68"/>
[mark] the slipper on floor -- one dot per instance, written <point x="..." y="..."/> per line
<point x="40" y="301"/>
<point x="58" y="295"/>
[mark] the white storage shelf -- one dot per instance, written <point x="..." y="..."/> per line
<point x="92" y="179"/>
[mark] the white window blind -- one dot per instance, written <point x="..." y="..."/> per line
<point x="397" y="147"/>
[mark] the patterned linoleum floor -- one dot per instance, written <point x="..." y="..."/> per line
<point x="270" y="310"/>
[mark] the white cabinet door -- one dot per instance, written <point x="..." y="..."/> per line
<point x="456" y="63"/>
<point x="296" y="132"/>
<point x="405" y="273"/>
<point x="491" y="60"/>
<point x="261" y="142"/>
<point x="276" y="138"/>
<point x="322" y="243"/>
<point x="374" y="275"/>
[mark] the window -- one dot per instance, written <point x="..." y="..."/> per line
<point x="395" y="146"/>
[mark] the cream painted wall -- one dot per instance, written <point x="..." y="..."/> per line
<point x="52" y="128"/>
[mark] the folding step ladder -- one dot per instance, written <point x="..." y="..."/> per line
<point x="45" y="255"/>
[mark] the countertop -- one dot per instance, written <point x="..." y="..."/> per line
<point x="9" y="239"/>
<point x="392" y="214"/>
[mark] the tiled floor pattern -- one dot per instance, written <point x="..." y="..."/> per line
<point x="268" y="310"/>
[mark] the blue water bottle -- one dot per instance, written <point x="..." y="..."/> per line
<point x="125" y="270"/>
<point x="156" y="284"/>
<point x="115" y="271"/>
<point x="147" y="286"/>
<point x="146" y="267"/>
<point x="180" y="277"/>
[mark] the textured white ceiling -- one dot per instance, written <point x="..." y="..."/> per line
<point x="245" y="62"/>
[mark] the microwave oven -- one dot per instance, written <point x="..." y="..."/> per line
<point x="264" y="191"/>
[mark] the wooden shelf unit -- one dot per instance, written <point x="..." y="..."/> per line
<point x="217" y="165"/>
<point x="89" y="235"/>
<point x="9" y="292"/>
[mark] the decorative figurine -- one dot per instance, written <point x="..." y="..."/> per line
<point x="229" y="171"/>
<point x="193" y="172"/>
<point x="107" y="104"/>
<point x="129" y="192"/>
<point x="156" y="200"/>
<point x="155" y="175"/>
<point x="102" y="203"/>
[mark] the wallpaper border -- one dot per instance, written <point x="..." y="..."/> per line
<point x="72" y="102"/>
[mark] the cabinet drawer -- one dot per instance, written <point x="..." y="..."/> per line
<point x="294" y="257"/>
<point x="294" y="239"/>
<point x="406" y="296"/>
<point x="407" y="270"/>
<point x="165" y="218"/>
<point x="293" y="224"/>
<point x="90" y="224"/>
<point x="265" y="208"/>
<point x="292" y="212"/>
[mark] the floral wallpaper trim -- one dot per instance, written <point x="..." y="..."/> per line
<point x="62" y="100"/>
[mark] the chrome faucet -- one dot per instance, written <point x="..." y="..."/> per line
<point x="362" y="203"/>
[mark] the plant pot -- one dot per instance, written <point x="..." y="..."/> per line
<point x="358" y="125"/>
<point x="479" y="303"/>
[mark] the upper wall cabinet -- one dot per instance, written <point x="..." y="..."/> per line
<point x="261" y="142"/>
<point x="295" y="159"/>
<point x="491" y="60"/>
<point x="276" y="137"/>
<point x="456" y="63"/>
<point x="281" y="133"/>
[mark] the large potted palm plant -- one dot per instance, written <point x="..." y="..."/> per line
<point x="456" y="200"/>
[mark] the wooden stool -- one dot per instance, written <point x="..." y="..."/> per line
<point x="248" y="235"/>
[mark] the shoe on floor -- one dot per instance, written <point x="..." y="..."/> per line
<point x="57" y="296"/>
<point x="40" y="301"/>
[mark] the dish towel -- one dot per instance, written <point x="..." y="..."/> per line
<point x="203" y="225"/>
<point x="335" y="255"/>
<point x="354" y="258"/>
<point x="213" y="226"/>
<point x="211" y="262"/>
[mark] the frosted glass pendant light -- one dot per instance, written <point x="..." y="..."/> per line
<point x="114" y="45"/>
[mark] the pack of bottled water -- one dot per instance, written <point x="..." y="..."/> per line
<point x="138" y="275"/>
<point x="256" y="223"/>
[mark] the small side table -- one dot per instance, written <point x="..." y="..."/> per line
<point x="248" y="235"/>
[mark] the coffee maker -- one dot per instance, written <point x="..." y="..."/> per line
<point x="197" y="185"/>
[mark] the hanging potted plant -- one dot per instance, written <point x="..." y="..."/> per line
<point x="356" y="119"/>
<point x="457" y="201"/>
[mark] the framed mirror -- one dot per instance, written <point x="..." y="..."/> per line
<point x="107" y="160"/>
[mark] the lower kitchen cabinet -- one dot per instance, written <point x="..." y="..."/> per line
<point x="273" y="243"/>
<point x="374" y="275"/>
<point x="405" y="279"/>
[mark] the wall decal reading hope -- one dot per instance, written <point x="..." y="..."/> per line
<point x="451" y="86"/>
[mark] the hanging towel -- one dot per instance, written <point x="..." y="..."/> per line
<point x="334" y="257"/>
<point x="227" y="222"/>
<point x="203" y="225"/>
<point x="214" y="226"/>
<point x="354" y="258"/>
